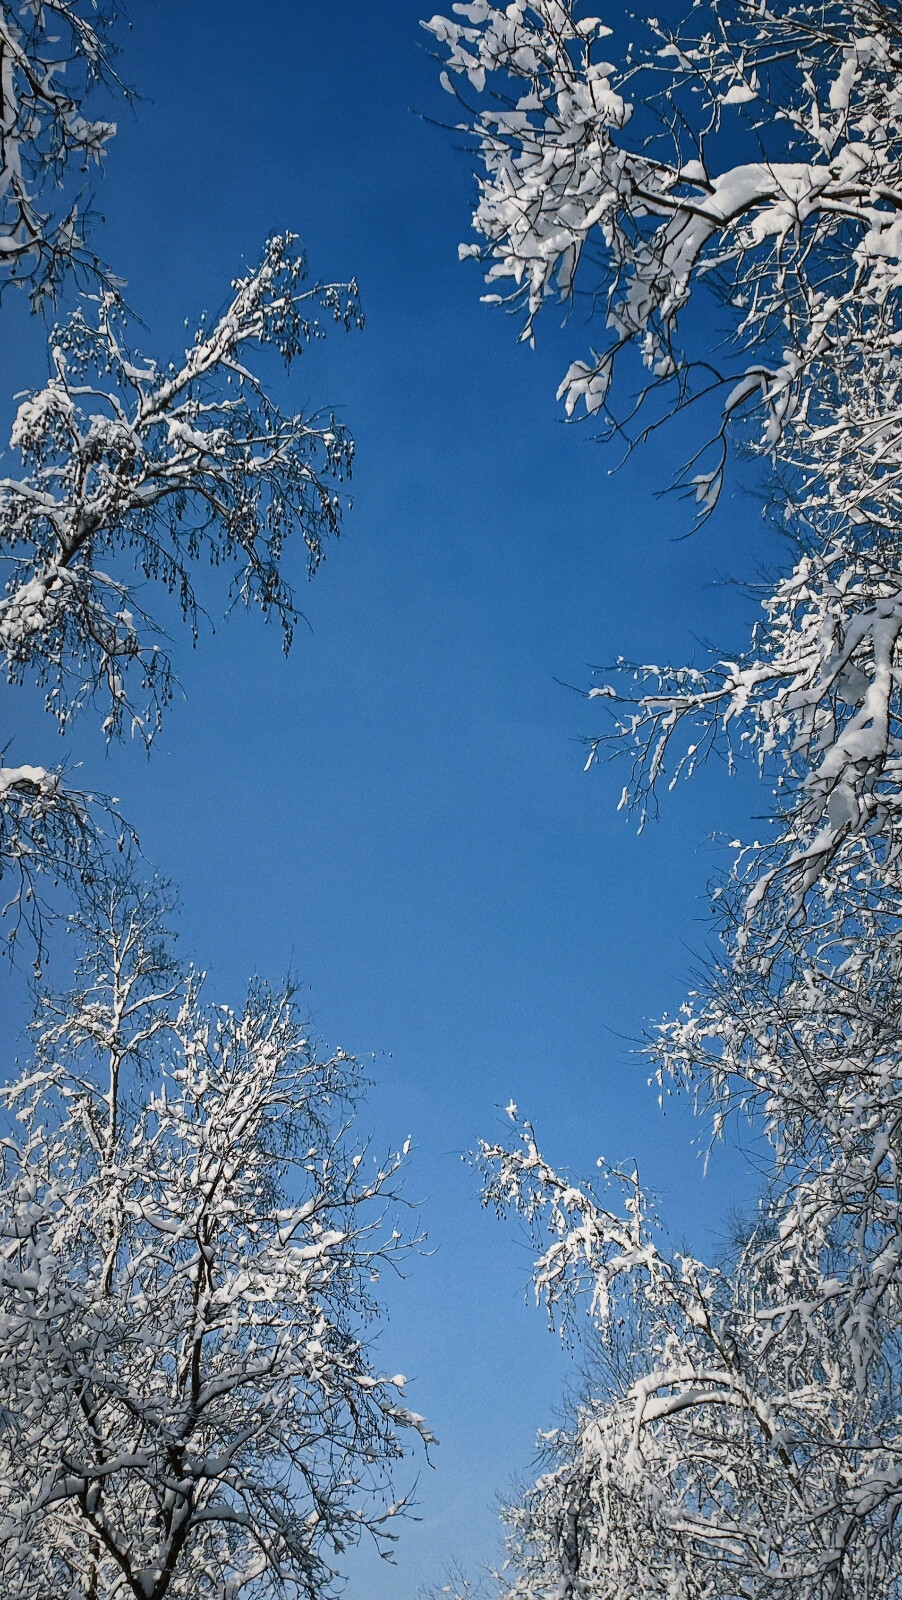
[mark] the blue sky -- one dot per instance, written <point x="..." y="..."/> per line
<point x="398" y="813"/>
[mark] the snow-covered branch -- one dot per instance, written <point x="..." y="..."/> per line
<point x="569" y="161"/>
<point x="133" y="465"/>
<point x="51" y="55"/>
<point x="739" y="1447"/>
<point x="132" y="475"/>
<point x="622" y="183"/>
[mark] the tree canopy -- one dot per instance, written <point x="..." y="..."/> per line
<point x="746" y="1439"/>
<point x="189" y="1236"/>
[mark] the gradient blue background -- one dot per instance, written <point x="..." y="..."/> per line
<point x="398" y="813"/>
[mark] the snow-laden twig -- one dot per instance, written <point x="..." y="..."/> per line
<point x="163" y="467"/>
<point x="51" y="55"/>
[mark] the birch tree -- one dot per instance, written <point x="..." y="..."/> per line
<point x="190" y="1233"/>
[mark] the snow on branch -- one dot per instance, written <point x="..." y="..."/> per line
<point x="51" y="834"/>
<point x="810" y="1055"/>
<point x="816" y="700"/>
<point x="568" y="161"/>
<point x="51" y="55"/>
<point x="622" y="183"/>
<point x="132" y="475"/>
<point x="158" y="468"/>
<point x="592" y="1247"/>
<point x="703" y="1467"/>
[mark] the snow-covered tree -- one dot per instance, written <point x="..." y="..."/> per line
<point x="131" y="472"/>
<point x="189" y="1238"/>
<point x="132" y="475"/>
<point x="52" y="53"/>
<point x="621" y="185"/>
<point x="190" y="1230"/>
<point x="745" y="1438"/>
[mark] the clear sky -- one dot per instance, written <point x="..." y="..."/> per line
<point x="398" y="812"/>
